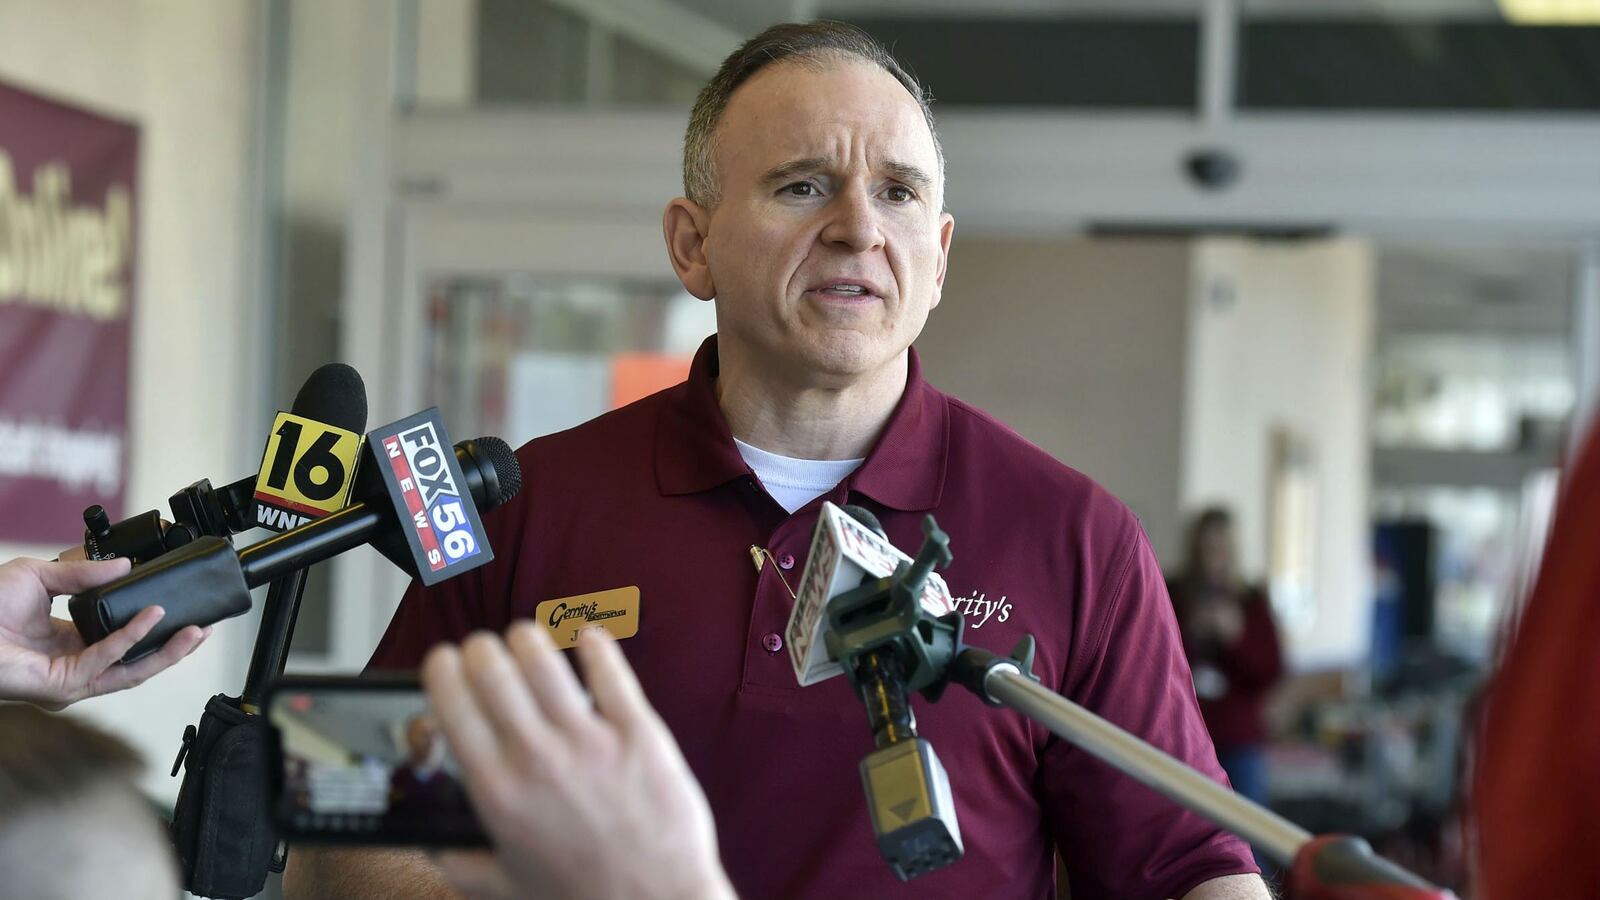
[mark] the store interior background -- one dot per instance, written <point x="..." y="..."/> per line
<point x="1374" y="341"/>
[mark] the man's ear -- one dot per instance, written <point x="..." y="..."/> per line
<point x="685" y="225"/>
<point x="947" y="230"/>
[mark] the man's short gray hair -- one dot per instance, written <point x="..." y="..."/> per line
<point x="812" y="43"/>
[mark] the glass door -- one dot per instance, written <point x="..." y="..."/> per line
<point x="514" y="325"/>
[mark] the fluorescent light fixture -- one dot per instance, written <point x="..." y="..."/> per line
<point x="1551" y="12"/>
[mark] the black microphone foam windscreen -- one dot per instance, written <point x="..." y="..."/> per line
<point x="334" y="395"/>
<point x="864" y="516"/>
<point x="507" y="470"/>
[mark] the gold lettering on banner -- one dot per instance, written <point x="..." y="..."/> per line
<point x="59" y="256"/>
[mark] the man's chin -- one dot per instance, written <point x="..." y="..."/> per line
<point x="849" y="356"/>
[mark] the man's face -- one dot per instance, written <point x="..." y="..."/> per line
<point x="828" y="246"/>
<point x="1217" y="554"/>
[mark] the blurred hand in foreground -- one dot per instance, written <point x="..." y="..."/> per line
<point x="579" y="799"/>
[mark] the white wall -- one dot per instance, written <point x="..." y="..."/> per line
<point x="184" y="71"/>
<point x="1077" y="344"/>
<point x="1280" y="335"/>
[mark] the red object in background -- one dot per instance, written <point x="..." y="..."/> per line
<point x="67" y="241"/>
<point x="1537" y="799"/>
<point x="635" y="376"/>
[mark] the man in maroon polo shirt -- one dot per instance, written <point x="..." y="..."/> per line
<point x="814" y="218"/>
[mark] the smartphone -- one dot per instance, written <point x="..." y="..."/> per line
<point x="360" y="760"/>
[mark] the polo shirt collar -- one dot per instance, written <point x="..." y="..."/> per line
<point x="905" y="470"/>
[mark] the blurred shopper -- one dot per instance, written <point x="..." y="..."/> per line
<point x="1537" y="799"/>
<point x="72" y="823"/>
<point x="1232" y="643"/>
<point x="42" y="658"/>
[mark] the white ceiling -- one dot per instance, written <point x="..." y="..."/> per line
<point x="746" y="17"/>
<point x="1365" y="9"/>
<point x="1476" y="287"/>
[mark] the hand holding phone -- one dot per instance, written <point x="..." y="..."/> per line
<point x="579" y="797"/>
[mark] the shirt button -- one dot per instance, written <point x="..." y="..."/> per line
<point x="772" y="641"/>
<point x="786" y="561"/>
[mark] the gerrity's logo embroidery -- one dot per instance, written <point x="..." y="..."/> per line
<point x="978" y="609"/>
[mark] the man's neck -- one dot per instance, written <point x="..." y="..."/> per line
<point x="807" y="421"/>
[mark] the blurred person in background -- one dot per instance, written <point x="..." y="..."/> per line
<point x="1232" y="643"/>
<point x="72" y="823"/>
<point x="44" y="661"/>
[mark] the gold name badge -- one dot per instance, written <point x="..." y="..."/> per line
<point x="616" y="610"/>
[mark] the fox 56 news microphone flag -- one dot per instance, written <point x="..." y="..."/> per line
<point x="423" y="478"/>
<point x="885" y="639"/>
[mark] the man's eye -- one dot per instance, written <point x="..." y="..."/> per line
<point x="900" y="194"/>
<point x="801" y="189"/>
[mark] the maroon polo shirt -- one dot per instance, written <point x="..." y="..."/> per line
<point x="656" y="495"/>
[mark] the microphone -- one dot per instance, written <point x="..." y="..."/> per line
<point x="308" y="468"/>
<point x="908" y="791"/>
<point x="207" y="580"/>
<point x="847" y="548"/>
<point x="866" y="517"/>
<point x="294" y="486"/>
<point x="332" y="400"/>
<point x="492" y="476"/>
<point x="889" y="646"/>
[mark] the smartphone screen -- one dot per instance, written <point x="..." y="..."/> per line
<point x="362" y="760"/>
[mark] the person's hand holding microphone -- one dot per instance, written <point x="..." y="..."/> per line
<point x="44" y="661"/>
<point x="580" y="799"/>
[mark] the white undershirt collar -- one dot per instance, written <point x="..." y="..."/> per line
<point x="795" y="482"/>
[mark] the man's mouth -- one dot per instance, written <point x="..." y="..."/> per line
<point x="844" y="290"/>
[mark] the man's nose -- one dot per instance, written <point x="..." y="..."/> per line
<point x="853" y="222"/>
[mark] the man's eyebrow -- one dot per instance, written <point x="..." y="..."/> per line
<point x="794" y="168"/>
<point x="911" y="176"/>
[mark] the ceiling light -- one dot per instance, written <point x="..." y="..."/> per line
<point x="1551" y="12"/>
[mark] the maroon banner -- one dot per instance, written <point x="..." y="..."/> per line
<point x="67" y="214"/>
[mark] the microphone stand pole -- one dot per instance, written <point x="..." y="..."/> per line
<point x="278" y="616"/>
<point x="884" y="618"/>
<point x="1327" y="867"/>
<point x="224" y="763"/>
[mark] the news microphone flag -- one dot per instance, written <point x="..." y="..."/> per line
<point x="843" y="552"/>
<point x="425" y="483"/>
<point x="307" y="471"/>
